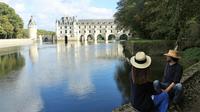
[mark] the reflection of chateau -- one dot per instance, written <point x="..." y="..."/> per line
<point x="69" y="28"/>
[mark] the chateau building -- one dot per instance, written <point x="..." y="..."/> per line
<point x="70" y="28"/>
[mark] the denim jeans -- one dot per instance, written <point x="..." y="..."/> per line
<point x="161" y="102"/>
<point x="176" y="92"/>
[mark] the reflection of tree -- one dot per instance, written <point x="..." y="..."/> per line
<point x="122" y="79"/>
<point x="11" y="62"/>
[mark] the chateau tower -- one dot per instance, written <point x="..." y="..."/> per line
<point x="32" y="29"/>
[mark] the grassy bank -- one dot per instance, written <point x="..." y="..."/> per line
<point x="190" y="56"/>
<point x="147" y="41"/>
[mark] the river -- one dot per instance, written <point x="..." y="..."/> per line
<point x="69" y="77"/>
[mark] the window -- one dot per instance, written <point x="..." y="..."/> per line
<point x="65" y="31"/>
<point x="79" y="31"/>
<point x="111" y="26"/>
<point x="79" y="27"/>
<point x="111" y="31"/>
<point x="65" y="26"/>
<point x="60" y="32"/>
<point x="100" y="31"/>
<point x="85" y="26"/>
<point x="70" y="27"/>
<point x="89" y="26"/>
<point x="89" y="31"/>
<point x="84" y="31"/>
<point x="61" y="27"/>
<point x="100" y="26"/>
<point x="70" y="32"/>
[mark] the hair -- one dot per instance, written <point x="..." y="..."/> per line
<point x="175" y="59"/>
<point x="140" y="76"/>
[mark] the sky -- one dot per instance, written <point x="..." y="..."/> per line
<point x="45" y="12"/>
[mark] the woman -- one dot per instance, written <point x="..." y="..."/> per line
<point x="142" y="90"/>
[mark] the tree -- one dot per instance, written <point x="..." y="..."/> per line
<point x="7" y="28"/>
<point x="10" y="22"/>
<point x="158" y="19"/>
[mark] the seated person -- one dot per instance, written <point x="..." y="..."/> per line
<point x="143" y="97"/>
<point x="172" y="76"/>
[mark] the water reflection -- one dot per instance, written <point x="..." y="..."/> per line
<point x="11" y="62"/>
<point x="33" y="53"/>
<point x="65" y="77"/>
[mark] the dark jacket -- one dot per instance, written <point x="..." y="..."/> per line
<point x="172" y="73"/>
<point x="141" y="96"/>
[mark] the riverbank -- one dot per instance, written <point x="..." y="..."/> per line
<point x="14" y="42"/>
<point x="191" y="81"/>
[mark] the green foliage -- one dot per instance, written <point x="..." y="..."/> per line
<point x="190" y="56"/>
<point x="11" y="25"/>
<point x="160" y="19"/>
<point x="44" y="32"/>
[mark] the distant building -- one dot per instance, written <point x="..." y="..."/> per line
<point x="32" y="29"/>
<point x="70" y="28"/>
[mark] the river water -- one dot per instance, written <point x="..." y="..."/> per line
<point x="73" y="77"/>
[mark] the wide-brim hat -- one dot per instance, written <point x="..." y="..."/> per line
<point x="173" y="54"/>
<point x="141" y="60"/>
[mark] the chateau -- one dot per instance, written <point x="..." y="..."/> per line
<point x="72" y="29"/>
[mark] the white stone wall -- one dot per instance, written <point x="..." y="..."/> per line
<point x="14" y="42"/>
<point x="72" y="29"/>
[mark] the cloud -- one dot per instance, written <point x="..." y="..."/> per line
<point x="46" y="12"/>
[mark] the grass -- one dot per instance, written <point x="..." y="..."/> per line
<point x="190" y="56"/>
<point x="146" y="41"/>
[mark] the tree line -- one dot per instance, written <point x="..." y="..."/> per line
<point x="160" y="19"/>
<point x="11" y="24"/>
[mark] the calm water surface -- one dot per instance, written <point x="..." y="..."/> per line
<point x="60" y="78"/>
<point x="73" y="77"/>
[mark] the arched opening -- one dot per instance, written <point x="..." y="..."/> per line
<point x="123" y="37"/>
<point x="82" y="38"/>
<point x="46" y="39"/>
<point x="90" y="37"/>
<point x="100" y="37"/>
<point x="66" y="39"/>
<point x="111" y="37"/>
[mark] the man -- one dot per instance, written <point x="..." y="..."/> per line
<point x="172" y="76"/>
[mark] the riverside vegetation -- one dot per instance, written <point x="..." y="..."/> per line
<point x="11" y="24"/>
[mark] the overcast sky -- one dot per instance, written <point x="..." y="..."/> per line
<point x="45" y="12"/>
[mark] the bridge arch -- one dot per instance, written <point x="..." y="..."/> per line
<point x="100" y="37"/>
<point x="82" y="38"/>
<point x="111" y="37"/>
<point x="90" y="37"/>
<point x="123" y="37"/>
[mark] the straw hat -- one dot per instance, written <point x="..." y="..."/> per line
<point x="173" y="53"/>
<point x="141" y="60"/>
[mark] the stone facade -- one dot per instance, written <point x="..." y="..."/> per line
<point x="70" y="28"/>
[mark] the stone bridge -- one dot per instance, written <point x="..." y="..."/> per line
<point x="70" y="28"/>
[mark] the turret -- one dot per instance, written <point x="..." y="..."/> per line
<point x="32" y="29"/>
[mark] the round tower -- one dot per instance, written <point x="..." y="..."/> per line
<point x="32" y="29"/>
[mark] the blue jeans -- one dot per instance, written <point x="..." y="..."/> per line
<point x="161" y="102"/>
<point x="176" y="91"/>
